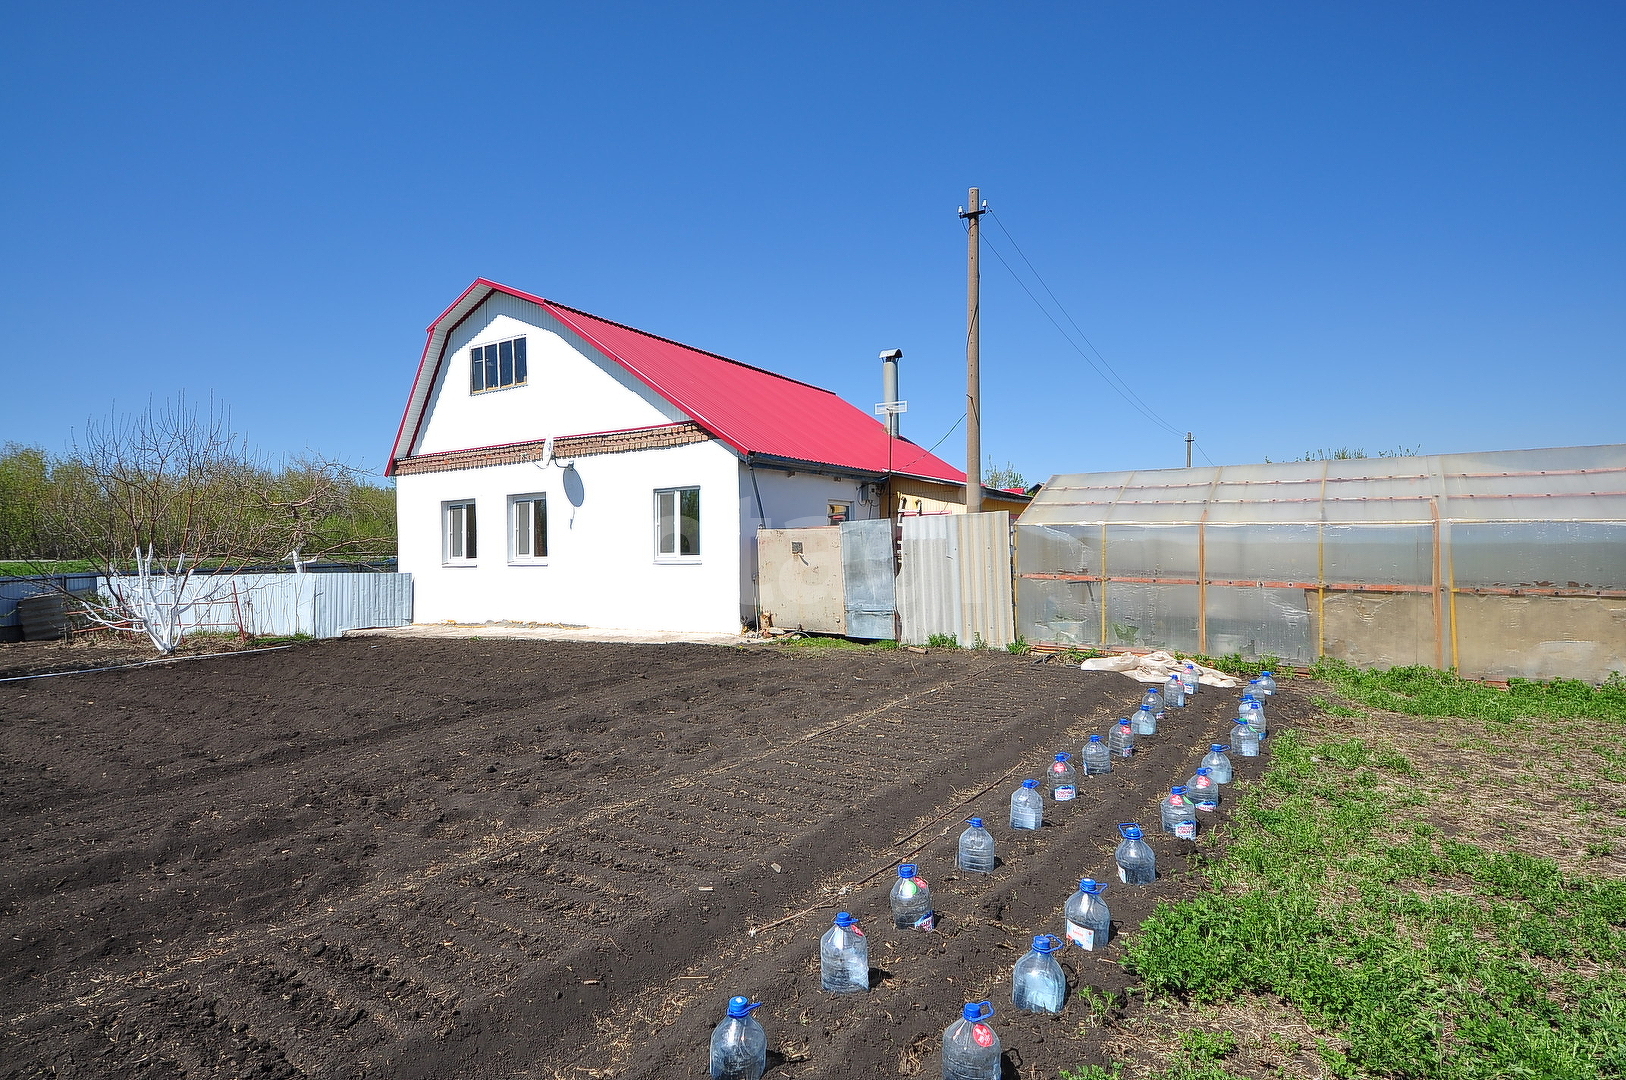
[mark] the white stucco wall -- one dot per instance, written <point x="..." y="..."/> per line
<point x="601" y="569"/>
<point x="570" y="390"/>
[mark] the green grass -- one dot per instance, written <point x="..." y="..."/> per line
<point x="1424" y="691"/>
<point x="818" y="642"/>
<point x="943" y="641"/>
<point x="1428" y="956"/>
<point x="29" y="569"/>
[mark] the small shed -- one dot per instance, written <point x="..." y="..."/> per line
<point x="1499" y="564"/>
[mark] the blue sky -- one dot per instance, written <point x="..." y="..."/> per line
<point x="1285" y="226"/>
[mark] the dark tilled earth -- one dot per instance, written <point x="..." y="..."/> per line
<point x="398" y="858"/>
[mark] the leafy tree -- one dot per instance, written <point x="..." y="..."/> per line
<point x="1005" y="476"/>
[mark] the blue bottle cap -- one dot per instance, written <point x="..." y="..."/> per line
<point x="1030" y="783"/>
<point x="1063" y="757"/>
<point x="1177" y="791"/>
<point x="844" y="919"/>
<point x="1046" y="943"/>
<point x="974" y="822"/>
<point x="907" y="870"/>
<point x="1264" y="674"/>
<point x="1095" y="738"/>
<point x="1219" y="747"/>
<point x="742" y="1006"/>
<point x="977" y="1010"/>
<point x="1091" y="886"/>
<point x="1240" y="720"/>
<point x="1203" y="771"/>
<point x="1130" y="831"/>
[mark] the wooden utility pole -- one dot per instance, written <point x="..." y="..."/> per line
<point x="973" y="358"/>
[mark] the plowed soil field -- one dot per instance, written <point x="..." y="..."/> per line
<point x="489" y="858"/>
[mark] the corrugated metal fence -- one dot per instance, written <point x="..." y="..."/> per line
<point x="321" y="605"/>
<point x="955" y="579"/>
<point x="15" y="589"/>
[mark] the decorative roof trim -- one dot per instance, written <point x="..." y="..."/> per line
<point x="658" y="437"/>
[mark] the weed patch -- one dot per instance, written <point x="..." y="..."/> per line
<point x="1428" y="955"/>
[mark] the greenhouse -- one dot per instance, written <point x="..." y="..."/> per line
<point x="1502" y="564"/>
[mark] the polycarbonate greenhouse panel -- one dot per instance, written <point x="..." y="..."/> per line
<point x="1152" y="616"/>
<point x="1285" y="552"/>
<point x="1061" y="549"/>
<point x="1501" y="563"/>
<point x="1586" y="555"/>
<point x="1259" y="622"/>
<point x="1063" y="612"/>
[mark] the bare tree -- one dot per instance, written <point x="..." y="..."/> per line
<point x="155" y="498"/>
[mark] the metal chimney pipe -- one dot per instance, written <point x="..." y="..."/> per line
<point x="889" y="386"/>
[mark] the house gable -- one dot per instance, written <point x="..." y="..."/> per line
<point x="571" y="388"/>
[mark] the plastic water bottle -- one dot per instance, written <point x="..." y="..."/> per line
<point x="739" y="1046"/>
<point x="1063" y="780"/>
<point x="970" y="1047"/>
<point x="1174" y="692"/>
<point x="1154" y="701"/>
<point x="976" y="848"/>
<point x="1145" y="722"/>
<point x="1244" y="739"/>
<point x="912" y="901"/>
<point x="1038" y="984"/>
<point x="1137" y="865"/>
<point x="1097" y="757"/>
<point x="1217" y="764"/>
<point x="1267" y="684"/>
<point x="1179" y="815"/>
<point x="1203" y="792"/>
<point x="1027" y="806"/>
<point x="1189" y="676"/>
<point x="1253" y="711"/>
<point x="844" y="957"/>
<point x="1089" y="923"/>
<point x="1122" y="740"/>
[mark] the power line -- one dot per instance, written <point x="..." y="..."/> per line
<point x="933" y="446"/>
<point x="1104" y="368"/>
<point x="1128" y="397"/>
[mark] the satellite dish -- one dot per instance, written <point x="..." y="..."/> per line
<point x="547" y="452"/>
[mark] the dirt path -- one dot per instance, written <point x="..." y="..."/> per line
<point x="437" y="858"/>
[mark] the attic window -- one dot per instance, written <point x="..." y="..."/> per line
<point x="497" y="366"/>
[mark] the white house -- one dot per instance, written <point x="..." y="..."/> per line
<point x="553" y="466"/>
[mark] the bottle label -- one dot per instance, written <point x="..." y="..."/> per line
<point x="1082" y="936"/>
<point x="1126" y="751"/>
<point x="907" y="887"/>
<point x="1123" y="875"/>
<point x="1065" y="793"/>
<point x="1186" y="830"/>
<point x="926" y="922"/>
<point x="982" y="1035"/>
<point x="1207" y="807"/>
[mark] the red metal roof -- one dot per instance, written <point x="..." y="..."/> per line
<point x="752" y="410"/>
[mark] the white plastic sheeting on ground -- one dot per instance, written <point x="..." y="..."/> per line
<point x="1156" y="667"/>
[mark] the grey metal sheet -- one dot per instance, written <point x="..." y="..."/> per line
<point x="869" y="581"/>
<point x="928" y="580"/>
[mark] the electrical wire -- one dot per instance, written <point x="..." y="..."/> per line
<point x="1127" y="390"/>
<point x="934" y="446"/>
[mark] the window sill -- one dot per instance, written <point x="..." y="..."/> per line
<point x="527" y="562"/>
<point x="677" y="560"/>
<point x="459" y="565"/>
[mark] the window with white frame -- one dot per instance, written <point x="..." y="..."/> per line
<point x="461" y="536"/>
<point x="497" y="366"/>
<point x="677" y="524"/>
<point x="528" y="515"/>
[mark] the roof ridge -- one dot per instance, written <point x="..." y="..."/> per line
<point x="692" y="348"/>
